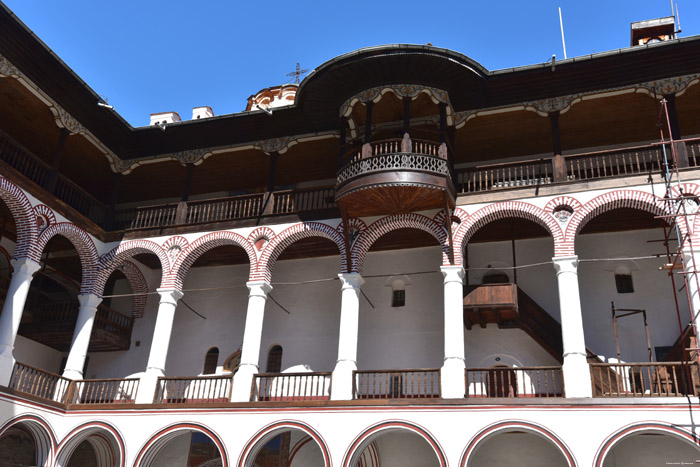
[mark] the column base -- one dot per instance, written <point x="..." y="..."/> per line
<point x="147" y="386"/>
<point x="342" y="380"/>
<point x="243" y="382"/>
<point x="452" y="381"/>
<point x="577" y="376"/>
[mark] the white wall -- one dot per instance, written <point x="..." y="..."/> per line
<point x="518" y="448"/>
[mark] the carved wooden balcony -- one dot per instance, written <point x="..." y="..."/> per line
<point x="395" y="176"/>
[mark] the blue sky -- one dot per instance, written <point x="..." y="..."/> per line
<point x="147" y="56"/>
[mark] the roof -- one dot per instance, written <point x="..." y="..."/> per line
<point x="322" y="92"/>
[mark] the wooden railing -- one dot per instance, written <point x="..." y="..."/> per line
<point x="67" y="312"/>
<point x="145" y="217"/>
<point x="306" y="200"/>
<point x="102" y="391"/>
<point x="291" y="387"/>
<point x="665" y="379"/>
<point x="543" y="381"/>
<point x="602" y="164"/>
<point x="114" y="322"/>
<point x="224" y="209"/>
<point x="500" y="176"/>
<point x="39" y="172"/>
<point x="396" y="384"/>
<point x="194" y="390"/>
<point x="38" y="382"/>
<point x="692" y="148"/>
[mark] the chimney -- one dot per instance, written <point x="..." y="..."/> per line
<point x="653" y="30"/>
<point x="202" y="112"/>
<point x="164" y="117"/>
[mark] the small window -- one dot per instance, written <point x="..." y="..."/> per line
<point x="210" y="361"/>
<point x="274" y="359"/>
<point x="624" y="284"/>
<point x="398" y="298"/>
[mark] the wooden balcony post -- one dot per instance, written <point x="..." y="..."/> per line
<point x="452" y="371"/>
<point x="252" y="337"/>
<point x="24" y="270"/>
<point x="81" y="336"/>
<point x="347" y="336"/>
<point x="577" y="374"/>
<point x="52" y="176"/>
<point x="159" y="344"/>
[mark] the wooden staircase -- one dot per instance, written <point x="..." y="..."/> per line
<point x="510" y="307"/>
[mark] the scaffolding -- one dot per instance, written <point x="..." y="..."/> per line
<point x="678" y="227"/>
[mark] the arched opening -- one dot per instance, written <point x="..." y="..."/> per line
<point x="621" y="273"/>
<point x="652" y="448"/>
<point x="130" y="302"/>
<point x="289" y="447"/>
<point x="17" y="448"/>
<point x="510" y="310"/>
<point x="301" y="317"/>
<point x="395" y="341"/>
<point x="51" y="308"/>
<point x="396" y="446"/>
<point x="91" y="446"/>
<point x="187" y="447"/>
<point x="517" y="447"/>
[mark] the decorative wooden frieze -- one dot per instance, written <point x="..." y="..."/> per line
<point x="400" y="90"/>
<point x="278" y="145"/>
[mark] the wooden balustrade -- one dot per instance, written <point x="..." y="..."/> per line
<point x="305" y="200"/>
<point x="112" y="321"/>
<point x="194" y="390"/>
<point x="23" y="161"/>
<point x="102" y="391"/>
<point x="693" y="152"/>
<point x="146" y="217"/>
<point x="543" y="381"/>
<point x="224" y="209"/>
<point x="602" y="164"/>
<point x="39" y="172"/>
<point x="501" y="176"/>
<point x="37" y="382"/>
<point x="656" y="379"/>
<point x="314" y="386"/>
<point x="396" y="384"/>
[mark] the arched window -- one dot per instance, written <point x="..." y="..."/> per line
<point x="210" y="361"/>
<point x="274" y="359"/>
<point x="233" y="361"/>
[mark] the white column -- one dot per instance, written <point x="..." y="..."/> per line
<point x="159" y="345"/>
<point x="347" y="336"/>
<point x="452" y="371"/>
<point x="23" y="272"/>
<point x="693" y="285"/>
<point x="577" y="374"/>
<point x="81" y="336"/>
<point x="252" y="337"/>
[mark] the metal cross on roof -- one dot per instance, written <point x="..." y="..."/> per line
<point x="297" y="73"/>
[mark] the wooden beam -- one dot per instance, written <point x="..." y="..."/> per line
<point x="346" y="237"/>
<point x="448" y="224"/>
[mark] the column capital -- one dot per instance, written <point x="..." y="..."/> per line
<point x="170" y="295"/>
<point x="258" y="288"/>
<point x="453" y="273"/>
<point x="24" y="266"/>
<point x="89" y="300"/>
<point x="351" y="280"/>
<point x="564" y="264"/>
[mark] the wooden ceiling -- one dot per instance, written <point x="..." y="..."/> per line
<point x="688" y="109"/>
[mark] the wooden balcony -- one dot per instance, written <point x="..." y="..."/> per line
<point x="397" y="384"/>
<point x="194" y="390"/>
<point x="654" y="379"/>
<point x="53" y="324"/>
<point x="287" y="387"/>
<point x="509" y="382"/>
<point x="395" y="176"/>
